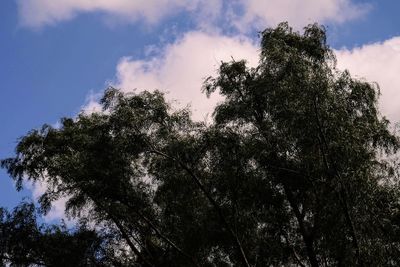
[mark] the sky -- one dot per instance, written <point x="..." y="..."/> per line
<point x="58" y="56"/>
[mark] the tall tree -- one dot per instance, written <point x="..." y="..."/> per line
<point x="296" y="168"/>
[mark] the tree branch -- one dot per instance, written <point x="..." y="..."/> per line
<point x="342" y="192"/>
<point x="211" y="200"/>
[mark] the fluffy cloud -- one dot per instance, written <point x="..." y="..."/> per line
<point x="58" y="207"/>
<point x="378" y="62"/>
<point x="92" y="104"/>
<point x="181" y="68"/>
<point x="36" y="13"/>
<point x="244" y="14"/>
<point x="298" y="12"/>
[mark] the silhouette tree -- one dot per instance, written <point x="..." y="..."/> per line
<point x="297" y="167"/>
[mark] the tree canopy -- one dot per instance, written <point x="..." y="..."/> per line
<point x="297" y="168"/>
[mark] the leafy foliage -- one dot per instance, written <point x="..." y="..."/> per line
<point x="295" y="169"/>
<point x="23" y="242"/>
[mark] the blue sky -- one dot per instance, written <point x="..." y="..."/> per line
<point x="57" y="56"/>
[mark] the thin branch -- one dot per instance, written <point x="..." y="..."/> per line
<point x="308" y="239"/>
<point x="151" y="225"/>
<point x="128" y="240"/>
<point x="211" y="200"/>
<point x="342" y="192"/>
<point x="121" y="229"/>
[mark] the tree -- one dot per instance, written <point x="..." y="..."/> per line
<point x="296" y="169"/>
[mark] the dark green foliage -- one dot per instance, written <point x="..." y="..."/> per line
<point x="295" y="170"/>
<point x="23" y="242"/>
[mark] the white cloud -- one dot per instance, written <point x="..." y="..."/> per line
<point x="378" y="62"/>
<point x="92" y="104"/>
<point x="298" y="13"/>
<point x="37" y="13"/>
<point x="57" y="211"/>
<point x="244" y="14"/>
<point x="181" y="68"/>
